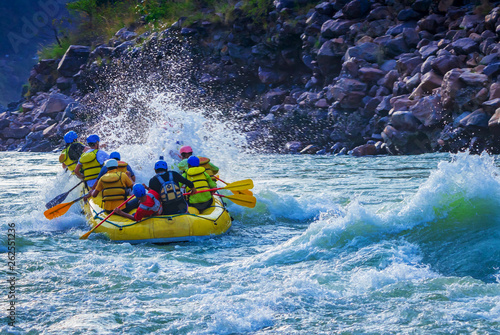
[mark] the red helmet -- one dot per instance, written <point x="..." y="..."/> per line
<point x="186" y="149"/>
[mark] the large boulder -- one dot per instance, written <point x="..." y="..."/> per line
<point x="75" y="56"/>
<point x="343" y="88"/>
<point x="356" y="9"/>
<point x="364" y="150"/>
<point x="465" y="46"/>
<point x="404" y="120"/>
<point x="494" y="123"/>
<point x="16" y="132"/>
<point x="428" y="82"/>
<point x="273" y="97"/>
<point x="370" y="52"/>
<point x="56" y="103"/>
<point x="477" y="119"/>
<point x="474" y="79"/>
<point x="271" y="76"/>
<point x="450" y="87"/>
<point x="443" y="64"/>
<point x="329" y="58"/>
<point x="429" y="110"/>
<point x="335" y="28"/>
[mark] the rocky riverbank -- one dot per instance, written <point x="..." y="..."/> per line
<point x="364" y="77"/>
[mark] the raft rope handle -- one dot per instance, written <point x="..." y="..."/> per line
<point x="161" y="216"/>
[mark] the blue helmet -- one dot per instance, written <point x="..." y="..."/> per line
<point x="70" y="137"/>
<point x="93" y="139"/>
<point x="139" y="190"/>
<point x="194" y="161"/>
<point x="161" y="165"/>
<point x="115" y="155"/>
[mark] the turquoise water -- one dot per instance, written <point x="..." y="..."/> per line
<point x="378" y="245"/>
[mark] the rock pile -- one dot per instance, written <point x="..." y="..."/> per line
<point x="363" y="77"/>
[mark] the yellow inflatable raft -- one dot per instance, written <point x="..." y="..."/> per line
<point x="160" y="229"/>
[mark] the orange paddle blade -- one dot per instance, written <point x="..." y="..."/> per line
<point x="58" y="210"/>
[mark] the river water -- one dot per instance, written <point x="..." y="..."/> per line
<point x="375" y="245"/>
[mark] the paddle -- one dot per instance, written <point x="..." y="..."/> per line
<point x="246" y="192"/>
<point x="86" y="235"/>
<point x="237" y="185"/>
<point x="60" y="198"/>
<point x="60" y="209"/>
<point x="240" y="199"/>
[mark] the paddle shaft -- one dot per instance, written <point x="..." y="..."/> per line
<point x="60" y="198"/>
<point x="61" y="209"/>
<point x="240" y="199"/>
<point x="209" y="190"/>
<point x="246" y="192"/>
<point x="86" y="235"/>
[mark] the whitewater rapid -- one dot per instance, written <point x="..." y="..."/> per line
<point x="335" y="244"/>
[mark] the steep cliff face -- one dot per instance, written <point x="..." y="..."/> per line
<point x="370" y="77"/>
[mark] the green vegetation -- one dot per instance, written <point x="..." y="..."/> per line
<point x="56" y="50"/>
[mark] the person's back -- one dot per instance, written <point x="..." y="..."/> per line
<point x="122" y="166"/>
<point x="166" y="183"/>
<point x="202" y="181"/>
<point x="113" y="186"/>
<point x="91" y="162"/>
<point x="148" y="204"/>
<point x="71" y="153"/>
<point x="186" y="152"/>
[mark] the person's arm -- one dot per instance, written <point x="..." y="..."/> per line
<point x="211" y="183"/>
<point x="103" y="171"/>
<point x="77" y="171"/>
<point x="96" y="189"/>
<point x="131" y="173"/>
<point x="214" y="168"/>
<point x="127" y="181"/>
<point x="125" y="215"/>
<point x="181" y="180"/>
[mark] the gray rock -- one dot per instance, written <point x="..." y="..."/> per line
<point x="404" y="120"/>
<point x="476" y="119"/>
<point x="55" y="103"/>
<point x="429" y="111"/>
<point x="368" y="51"/>
<point x="75" y="56"/>
<point x="15" y="132"/>
<point x="474" y="79"/>
<point x="294" y="146"/>
<point x="335" y="28"/>
<point x="465" y="46"/>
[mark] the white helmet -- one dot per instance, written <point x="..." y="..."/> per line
<point x="111" y="163"/>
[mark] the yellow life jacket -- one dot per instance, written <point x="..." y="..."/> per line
<point x="197" y="176"/>
<point x="122" y="166"/>
<point x="65" y="156"/>
<point x="90" y="165"/>
<point x="204" y="164"/>
<point x="113" y="188"/>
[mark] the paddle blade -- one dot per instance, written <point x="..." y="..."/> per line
<point x="241" y="199"/>
<point x="240" y="185"/>
<point x="57" y="210"/>
<point x="57" y="200"/>
<point x="245" y="192"/>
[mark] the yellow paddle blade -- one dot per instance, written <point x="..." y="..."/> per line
<point x="241" y="199"/>
<point x="58" y="210"/>
<point x="245" y="192"/>
<point x="240" y="185"/>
